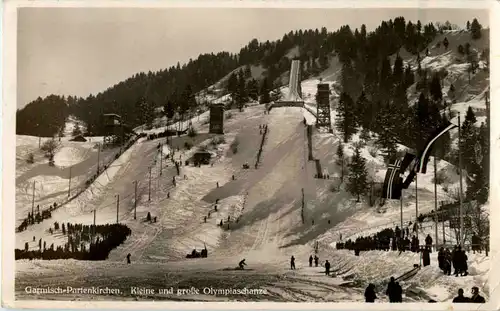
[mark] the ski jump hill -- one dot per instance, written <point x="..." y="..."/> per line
<point x="293" y="98"/>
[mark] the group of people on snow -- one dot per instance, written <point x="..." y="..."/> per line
<point x="457" y="258"/>
<point x="475" y="298"/>
<point x="386" y="239"/>
<point x="394" y="292"/>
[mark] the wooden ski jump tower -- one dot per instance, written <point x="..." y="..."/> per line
<point x="216" y="119"/>
<point x="323" y="117"/>
<point x="113" y="128"/>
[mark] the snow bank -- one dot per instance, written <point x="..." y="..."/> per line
<point x="68" y="155"/>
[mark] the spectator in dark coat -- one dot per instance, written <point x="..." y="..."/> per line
<point x="428" y="241"/>
<point x="327" y="268"/>
<point x="391" y="290"/>
<point x="370" y="295"/>
<point x="463" y="263"/>
<point x="399" y="292"/>
<point x="426" y="259"/>
<point x="476" y="298"/>
<point x="460" y="297"/>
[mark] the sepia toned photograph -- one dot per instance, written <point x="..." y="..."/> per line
<point x="250" y="154"/>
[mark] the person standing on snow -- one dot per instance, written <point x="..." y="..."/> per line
<point x="327" y="268"/>
<point x="128" y="258"/>
<point x="391" y="290"/>
<point x="292" y="263"/>
<point x="310" y="261"/>
<point x="370" y="295"/>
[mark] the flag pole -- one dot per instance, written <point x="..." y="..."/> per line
<point x="435" y="201"/>
<point x="401" y="209"/>
<point x="416" y="203"/>
<point x="461" y="232"/>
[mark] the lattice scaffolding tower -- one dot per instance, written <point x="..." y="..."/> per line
<point x="323" y="118"/>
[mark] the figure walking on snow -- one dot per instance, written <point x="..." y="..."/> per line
<point x="292" y="263"/>
<point x="128" y="258"/>
<point x="327" y="268"/>
<point x="310" y="261"/>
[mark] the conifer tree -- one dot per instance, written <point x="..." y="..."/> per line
<point x="435" y="89"/>
<point x="232" y="86"/>
<point x="358" y="176"/>
<point x="346" y="122"/>
<point x="253" y="89"/>
<point x="340" y="161"/>
<point x="468" y="139"/>
<point x="397" y="74"/>
<point x="409" y="77"/>
<point x="242" y="92"/>
<point x="169" y="111"/>
<point x="361" y="111"/>
<point x="264" y="92"/>
<point x="248" y="71"/>
<point x="387" y="131"/>
<point x="475" y="29"/>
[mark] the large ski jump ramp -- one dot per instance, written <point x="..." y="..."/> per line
<point x="294" y="95"/>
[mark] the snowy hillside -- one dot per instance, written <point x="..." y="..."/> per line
<point x="258" y="198"/>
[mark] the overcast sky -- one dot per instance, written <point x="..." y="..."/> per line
<point x="78" y="51"/>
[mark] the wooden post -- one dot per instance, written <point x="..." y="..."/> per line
<point x="149" y="192"/>
<point x="33" y="202"/>
<point x="117" y="206"/>
<point x="461" y="231"/>
<point x="401" y="209"/>
<point x="444" y="236"/>
<point x="135" y="200"/>
<point x="93" y="231"/>
<point x="69" y="183"/>
<point x="161" y="159"/>
<point x="416" y="203"/>
<point x="435" y="201"/>
<point x="98" y="156"/>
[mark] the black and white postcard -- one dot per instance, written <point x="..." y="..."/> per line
<point x="310" y="153"/>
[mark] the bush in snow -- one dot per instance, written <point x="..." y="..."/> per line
<point x="218" y="140"/>
<point x="192" y="132"/>
<point x="49" y="147"/>
<point x="234" y="145"/>
<point x="188" y="145"/>
<point x="229" y="116"/>
<point x="373" y="151"/>
<point x="31" y="158"/>
<point x="365" y="135"/>
<point x="441" y="178"/>
<point x="51" y="160"/>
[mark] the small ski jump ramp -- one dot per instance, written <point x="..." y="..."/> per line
<point x="293" y="98"/>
